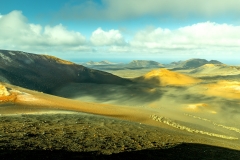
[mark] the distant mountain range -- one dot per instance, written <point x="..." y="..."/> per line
<point x="140" y="64"/>
<point x="91" y="63"/>
<point x="45" y="73"/>
<point x="191" y="63"/>
<point x="135" y="64"/>
<point x="143" y="64"/>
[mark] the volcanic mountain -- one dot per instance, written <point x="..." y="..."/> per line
<point x="165" y="77"/>
<point x="45" y="73"/>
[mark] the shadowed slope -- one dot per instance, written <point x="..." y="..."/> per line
<point x="45" y="73"/>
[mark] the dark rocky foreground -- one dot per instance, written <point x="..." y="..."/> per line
<point x="83" y="136"/>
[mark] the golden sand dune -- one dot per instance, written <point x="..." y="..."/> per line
<point x="216" y="69"/>
<point x="229" y="89"/>
<point x="165" y="77"/>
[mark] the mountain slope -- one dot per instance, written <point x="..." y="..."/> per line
<point x="45" y="73"/>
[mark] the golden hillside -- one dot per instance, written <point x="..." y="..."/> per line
<point x="165" y="77"/>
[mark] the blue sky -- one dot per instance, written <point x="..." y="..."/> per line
<point x="118" y="30"/>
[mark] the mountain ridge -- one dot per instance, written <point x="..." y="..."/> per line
<point x="45" y="73"/>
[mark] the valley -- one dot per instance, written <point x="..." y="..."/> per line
<point x="159" y="107"/>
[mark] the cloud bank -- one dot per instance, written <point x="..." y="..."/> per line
<point x="127" y="9"/>
<point x="17" y="33"/>
<point x="201" y="35"/>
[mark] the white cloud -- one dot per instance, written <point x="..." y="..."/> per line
<point x="198" y="36"/>
<point x="107" y="38"/>
<point x="124" y="9"/>
<point x="17" y="33"/>
<point x="59" y="35"/>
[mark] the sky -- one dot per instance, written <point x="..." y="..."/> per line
<point x="123" y="30"/>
